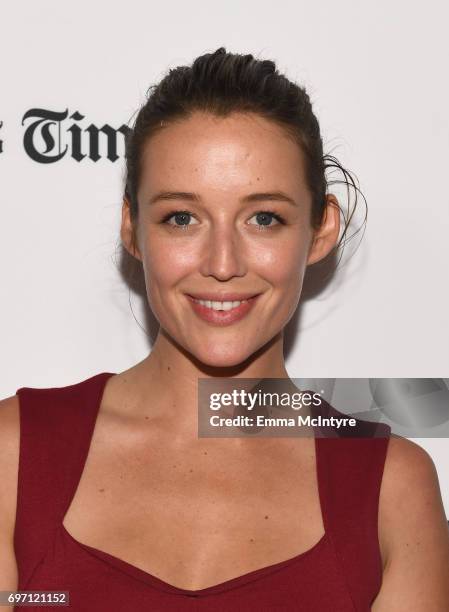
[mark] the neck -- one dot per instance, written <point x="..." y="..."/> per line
<point x="166" y="381"/>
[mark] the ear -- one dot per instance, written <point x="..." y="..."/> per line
<point x="127" y="231"/>
<point x="326" y="236"/>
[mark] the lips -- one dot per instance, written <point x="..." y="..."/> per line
<point x="223" y="317"/>
<point x="222" y="297"/>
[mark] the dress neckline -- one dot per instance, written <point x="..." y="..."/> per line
<point x="147" y="577"/>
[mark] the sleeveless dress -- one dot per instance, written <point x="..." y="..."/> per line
<point x="342" y="572"/>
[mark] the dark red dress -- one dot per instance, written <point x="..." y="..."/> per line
<point x="340" y="573"/>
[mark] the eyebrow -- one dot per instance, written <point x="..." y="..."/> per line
<point x="278" y="196"/>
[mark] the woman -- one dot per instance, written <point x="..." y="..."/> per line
<point x="119" y="502"/>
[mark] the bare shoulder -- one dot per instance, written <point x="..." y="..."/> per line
<point x="9" y="466"/>
<point x="413" y="532"/>
<point x="407" y="463"/>
<point x="9" y="456"/>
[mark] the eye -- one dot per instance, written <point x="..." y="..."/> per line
<point x="181" y="219"/>
<point x="264" y="217"/>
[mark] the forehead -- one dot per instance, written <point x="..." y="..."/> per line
<point x="222" y="153"/>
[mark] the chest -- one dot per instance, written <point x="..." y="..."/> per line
<point x="199" y="516"/>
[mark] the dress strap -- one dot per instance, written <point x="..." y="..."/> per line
<point x="56" y="427"/>
<point x="350" y="470"/>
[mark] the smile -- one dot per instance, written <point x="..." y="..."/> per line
<point x="222" y="313"/>
<point x="220" y="305"/>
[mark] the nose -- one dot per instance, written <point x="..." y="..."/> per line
<point x="224" y="254"/>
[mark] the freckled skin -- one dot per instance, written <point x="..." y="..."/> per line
<point x="222" y="161"/>
<point x="224" y="247"/>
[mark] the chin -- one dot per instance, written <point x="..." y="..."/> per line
<point x="222" y="358"/>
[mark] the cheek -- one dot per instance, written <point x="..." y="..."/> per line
<point x="166" y="262"/>
<point x="282" y="261"/>
<point x="283" y="266"/>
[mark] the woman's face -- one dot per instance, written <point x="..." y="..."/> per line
<point x="204" y="182"/>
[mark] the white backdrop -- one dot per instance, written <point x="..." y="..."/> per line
<point x="377" y="75"/>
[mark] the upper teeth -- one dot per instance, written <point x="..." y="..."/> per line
<point x="220" y="305"/>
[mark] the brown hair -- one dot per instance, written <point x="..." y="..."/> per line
<point x="222" y="83"/>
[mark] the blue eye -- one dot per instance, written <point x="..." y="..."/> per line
<point x="182" y="218"/>
<point x="265" y="216"/>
